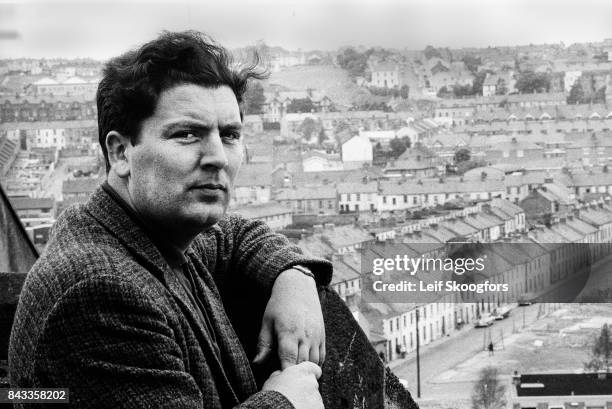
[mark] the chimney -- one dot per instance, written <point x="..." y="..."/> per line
<point x="516" y="379"/>
<point x="337" y="257"/>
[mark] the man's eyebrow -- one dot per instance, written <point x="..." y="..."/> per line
<point x="186" y="123"/>
<point x="231" y="126"/>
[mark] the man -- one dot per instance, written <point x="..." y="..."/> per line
<point x="126" y="306"/>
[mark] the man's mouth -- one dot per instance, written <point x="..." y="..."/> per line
<point x="211" y="186"/>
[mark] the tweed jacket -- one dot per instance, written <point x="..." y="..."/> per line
<point x="102" y="313"/>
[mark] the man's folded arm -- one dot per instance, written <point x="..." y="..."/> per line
<point x="111" y="345"/>
<point x="263" y="254"/>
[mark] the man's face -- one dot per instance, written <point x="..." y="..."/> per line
<point x="186" y="157"/>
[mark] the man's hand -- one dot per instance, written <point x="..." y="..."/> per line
<point x="298" y="384"/>
<point x="293" y="322"/>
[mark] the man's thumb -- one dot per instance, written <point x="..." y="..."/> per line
<point x="264" y="343"/>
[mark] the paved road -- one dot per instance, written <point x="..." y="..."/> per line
<point x="457" y="349"/>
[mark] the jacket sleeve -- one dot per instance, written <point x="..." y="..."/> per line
<point x="111" y="345"/>
<point x="251" y="247"/>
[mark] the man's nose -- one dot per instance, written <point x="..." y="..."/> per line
<point x="213" y="151"/>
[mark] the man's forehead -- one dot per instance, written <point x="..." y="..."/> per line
<point x="199" y="103"/>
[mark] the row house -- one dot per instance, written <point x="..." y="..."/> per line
<point x="385" y="75"/>
<point x="28" y="207"/>
<point x="594" y="149"/>
<point x="585" y="183"/>
<point x="602" y="220"/>
<point x="310" y="200"/>
<point x="277" y="102"/>
<point x="329" y="239"/>
<point x="79" y="189"/>
<point x="9" y="150"/>
<point x="69" y="86"/>
<point x="368" y="120"/>
<point x="521" y="101"/>
<point x="346" y="280"/>
<point x="356" y="197"/>
<point x="403" y="195"/>
<point x="275" y="215"/>
<point x="46" y="108"/>
<point x="253" y="184"/>
<point x="455" y="111"/>
<point x="513" y="151"/>
<point x="548" y="199"/>
<point x="73" y="134"/>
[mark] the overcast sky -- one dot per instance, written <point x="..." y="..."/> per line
<point x="50" y="28"/>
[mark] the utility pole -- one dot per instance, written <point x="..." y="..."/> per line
<point x="418" y="358"/>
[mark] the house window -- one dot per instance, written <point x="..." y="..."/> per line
<point x="385" y="199"/>
<point x="405" y="198"/>
<point x="394" y="201"/>
<point x="520" y="153"/>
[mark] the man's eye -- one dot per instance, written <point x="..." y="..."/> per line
<point x="186" y="135"/>
<point x="232" y="136"/>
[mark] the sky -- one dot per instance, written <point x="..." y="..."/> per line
<point x="101" y="29"/>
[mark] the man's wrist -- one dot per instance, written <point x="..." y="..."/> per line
<point x="304" y="271"/>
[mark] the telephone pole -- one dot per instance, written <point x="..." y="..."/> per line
<point x="418" y="358"/>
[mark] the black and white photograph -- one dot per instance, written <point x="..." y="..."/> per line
<point x="368" y="204"/>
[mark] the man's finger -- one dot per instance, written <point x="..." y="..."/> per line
<point x="312" y="368"/>
<point x="304" y="353"/>
<point x="287" y="352"/>
<point x="322" y="353"/>
<point x="314" y="355"/>
<point x="264" y="343"/>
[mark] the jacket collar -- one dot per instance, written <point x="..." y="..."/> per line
<point x="106" y="210"/>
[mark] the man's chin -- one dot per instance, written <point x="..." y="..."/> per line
<point x="208" y="216"/>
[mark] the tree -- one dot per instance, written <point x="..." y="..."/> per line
<point x="254" y="99"/>
<point x="576" y="94"/>
<point x="308" y="127"/>
<point x="602" y="351"/>
<point x="501" y="88"/>
<point x="322" y="136"/>
<point x="462" y="90"/>
<point x="479" y="80"/>
<point x="530" y="82"/>
<point x="472" y="63"/>
<point x="300" y="106"/>
<point x="431" y="52"/>
<point x="488" y="392"/>
<point x="462" y="155"/>
<point x="399" y="146"/>
<point x="354" y="62"/>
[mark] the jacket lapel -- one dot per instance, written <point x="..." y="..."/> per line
<point x="110" y="214"/>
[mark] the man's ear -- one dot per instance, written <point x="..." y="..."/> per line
<point x="117" y="146"/>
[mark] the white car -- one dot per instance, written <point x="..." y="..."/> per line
<point x="484" y="321"/>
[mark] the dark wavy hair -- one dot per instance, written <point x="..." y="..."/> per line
<point x="131" y="83"/>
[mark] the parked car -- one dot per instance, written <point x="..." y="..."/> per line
<point x="502" y="312"/>
<point x="527" y="299"/>
<point x="484" y="321"/>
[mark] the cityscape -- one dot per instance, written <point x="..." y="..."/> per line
<point x="372" y="151"/>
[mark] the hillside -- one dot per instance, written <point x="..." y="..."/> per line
<point x="334" y="81"/>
